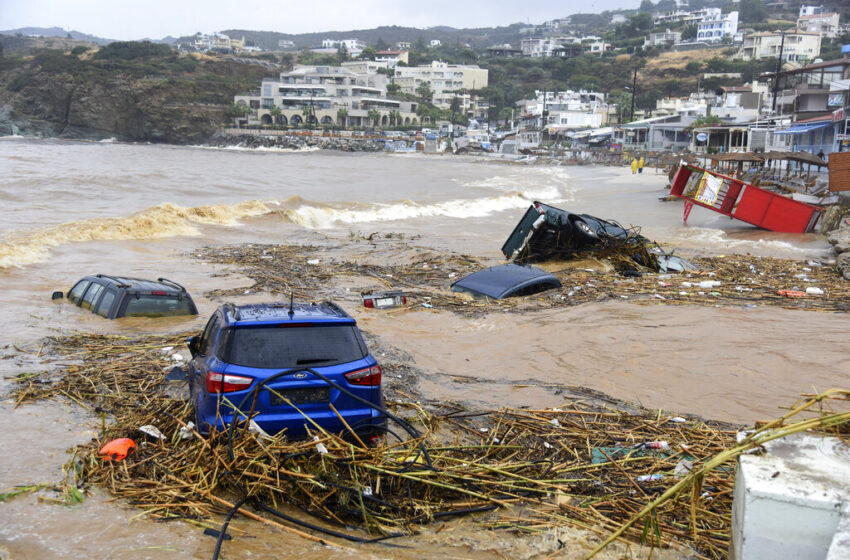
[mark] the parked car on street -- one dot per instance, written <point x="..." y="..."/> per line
<point x="292" y="365"/>
<point x="117" y="296"/>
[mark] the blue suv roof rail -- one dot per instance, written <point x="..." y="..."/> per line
<point x="114" y="279"/>
<point x="234" y="311"/>
<point x="171" y="283"/>
<point x="336" y="309"/>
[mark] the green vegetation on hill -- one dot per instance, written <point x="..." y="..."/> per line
<point x="132" y="91"/>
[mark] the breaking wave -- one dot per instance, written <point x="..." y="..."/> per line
<point x="157" y="222"/>
<point x="170" y="220"/>
<point x="319" y="217"/>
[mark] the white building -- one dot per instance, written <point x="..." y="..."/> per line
<point x="826" y="24"/>
<point x="799" y="47"/>
<point x="660" y="39"/>
<point x="285" y="44"/>
<point x="566" y="110"/>
<point x="597" y="47"/>
<point x="391" y="58"/>
<point x="217" y="42"/>
<point x="809" y="10"/>
<point x="318" y="93"/>
<point x="351" y="45"/>
<point x="471" y="106"/>
<point x="713" y="28"/>
<point x="434" y="43"/>
<point x="442" y="77"/>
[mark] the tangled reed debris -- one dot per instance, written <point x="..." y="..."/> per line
<point x="745" y="280"/>
<point x="575" y="465"/>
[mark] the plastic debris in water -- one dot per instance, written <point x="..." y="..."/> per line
<point x="649" y="477"/>
<point x="117" y="449"/>
<point x="152" y="431"/>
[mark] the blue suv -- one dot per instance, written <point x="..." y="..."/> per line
<point x="283" y="364"/>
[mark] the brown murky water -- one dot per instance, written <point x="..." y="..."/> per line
<point x="74" y="208"/>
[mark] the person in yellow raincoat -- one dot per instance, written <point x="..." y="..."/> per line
<point x="634" y="166"/>
<point x="640" y="165"/>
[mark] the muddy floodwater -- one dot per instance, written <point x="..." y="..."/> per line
<point x="77" y="208"/>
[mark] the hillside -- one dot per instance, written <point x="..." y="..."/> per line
<point x="128" y="94"/>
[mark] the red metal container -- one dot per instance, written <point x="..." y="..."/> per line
<point x="737" y="199"/>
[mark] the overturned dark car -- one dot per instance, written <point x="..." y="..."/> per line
<point x="546" y="233"/>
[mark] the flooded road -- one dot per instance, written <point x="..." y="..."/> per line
<point x="76" y="208"/>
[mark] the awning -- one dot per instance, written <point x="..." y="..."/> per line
<point x="803" y="128"/>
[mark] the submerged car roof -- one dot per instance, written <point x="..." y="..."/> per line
<point x="140" y="284"/>
<point x="506" y="280"/>
<point x="279" y="313"/>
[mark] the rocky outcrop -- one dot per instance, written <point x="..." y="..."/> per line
<point x="122" y="101"/>
<point x="297" y="142"/>
<point x="840" y="240"/>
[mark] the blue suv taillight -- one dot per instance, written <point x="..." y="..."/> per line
<point x="226" y="383"/>
<point x="369" y="376"/>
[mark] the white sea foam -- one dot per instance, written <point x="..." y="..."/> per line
<point x="721" y="240"/>
<point x="156" y="222"/>
<point x="318" y="217"/>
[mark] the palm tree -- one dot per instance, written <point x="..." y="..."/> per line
<point x="395" y="117"/>
<point x="275" y="113"/>
<point x="374" y="116"/>
<point x="307" y="110"/>
<point x="342" y="116"/>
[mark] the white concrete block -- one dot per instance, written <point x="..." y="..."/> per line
<point x="790" y="501"/>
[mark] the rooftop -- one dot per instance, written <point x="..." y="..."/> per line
<point x="276" y="313"/>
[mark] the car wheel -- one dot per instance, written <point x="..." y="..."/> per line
<point x="583" y="231"/>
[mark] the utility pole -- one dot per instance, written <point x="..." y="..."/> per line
<point x="634" y="93"/>
<point x="545" y="116"/>
<point x="778" y="70"/>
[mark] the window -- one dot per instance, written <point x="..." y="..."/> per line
<point x="91" y="296"/>
<point x="106" y="303"/>
<point x="77" y="291"/>
<point x="282" y="347"/>
<point x="156" y="306"/>
<point x="209" y="335"/>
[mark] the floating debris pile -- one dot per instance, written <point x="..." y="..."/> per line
<point x="577" y="465"/>
<point x="730" y="280"/>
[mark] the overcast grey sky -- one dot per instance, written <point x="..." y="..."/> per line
<point x="136" y="19"/>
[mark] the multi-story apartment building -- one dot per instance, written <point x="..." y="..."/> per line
<point x="798" y="47"/>
<point x="315" y="94"/>
<point x="350" y="44"/>
<point x="471" y="106"/>
<point x="391" y="58"/>
<point x="442" y="77"/>
<point x="713" y="28"/>
<point x="564" y="110"/>
<point x="825" y="24"/>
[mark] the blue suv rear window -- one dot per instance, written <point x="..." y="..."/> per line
<point x="281" y="346"/>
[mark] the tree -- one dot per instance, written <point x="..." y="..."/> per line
<point x="342" y="53"/>
<point x="689" y="32"/>
<point x="374" y="116"/>
<point x="307" y="111"/>
<point x="420" y="46"/>
<point x="367" y="54"/>
<point x="647" y="6"/>
<point x="381" y="45"/>
<point x="393" y="88"/>
<point x="275" y="113"/>
<point x="235" y="111"/>
<point x="753" y="11"/>
<point x="342" y="116"/>
<point x="424" y="91"/>
<point x="287" y="61"/>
